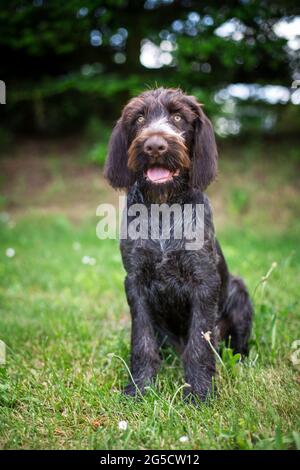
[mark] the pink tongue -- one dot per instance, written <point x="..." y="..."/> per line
<point x="158" y="174"/>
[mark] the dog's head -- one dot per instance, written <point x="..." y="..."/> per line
<point x="161" y="139"/>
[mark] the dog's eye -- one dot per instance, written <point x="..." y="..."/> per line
<point x="177" y="117"/>
<point x="140" y="119"/>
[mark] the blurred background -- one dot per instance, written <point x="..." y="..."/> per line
<point x="69" y="68"/>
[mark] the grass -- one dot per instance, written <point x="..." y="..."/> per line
<point x="66" y="328"/>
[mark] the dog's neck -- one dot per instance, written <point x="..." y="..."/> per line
<point x="159" y="195"/>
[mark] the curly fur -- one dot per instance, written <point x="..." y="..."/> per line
<point x="175" y="294"/>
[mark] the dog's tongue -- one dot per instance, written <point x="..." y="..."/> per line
<point x="157" y="174"/>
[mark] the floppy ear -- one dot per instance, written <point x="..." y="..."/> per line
<point x="116" y="170"/>
<point x="205" y="155"/>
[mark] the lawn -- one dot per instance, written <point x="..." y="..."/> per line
<point x="66" y="324"/>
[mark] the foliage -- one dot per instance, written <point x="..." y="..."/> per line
<point x="76" y="58"/>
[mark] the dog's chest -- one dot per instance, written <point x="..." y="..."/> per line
<point x="170" y="263"/>
<point x="164" y="265"/>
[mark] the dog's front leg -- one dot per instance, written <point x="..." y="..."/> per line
<point x="198" y="356"/>
<point x="145" y="358"/>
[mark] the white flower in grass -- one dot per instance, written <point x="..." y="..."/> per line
<point x="206" y="335"/>
<point x="183" y="439"/>
<point x="88" y="260"/>
<point x="10" y="252"/>
<point x="123" y="425"/>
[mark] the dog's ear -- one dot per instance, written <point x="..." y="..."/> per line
<point x="116" y="169"/>
<point x="204" y="163"/>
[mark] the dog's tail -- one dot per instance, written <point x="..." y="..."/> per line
<point x="236" y="320"/>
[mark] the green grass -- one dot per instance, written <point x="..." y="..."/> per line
<point x="67" y="330"/>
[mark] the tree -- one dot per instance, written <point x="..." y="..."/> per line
<point x="63" y="60"/>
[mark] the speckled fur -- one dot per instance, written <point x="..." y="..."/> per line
<point x="175" y="294"/>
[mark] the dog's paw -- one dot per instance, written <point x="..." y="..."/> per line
<point x="131" y="390"/>
<point x="191" y="397"/>
<point x="198" y="396"/>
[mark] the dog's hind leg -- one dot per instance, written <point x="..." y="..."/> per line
<point x="236" y="320"/>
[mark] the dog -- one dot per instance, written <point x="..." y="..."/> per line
<point x="163" y="151"/>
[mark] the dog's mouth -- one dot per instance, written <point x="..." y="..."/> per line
<point x="159" y="175"/>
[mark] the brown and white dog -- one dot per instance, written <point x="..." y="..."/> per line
<point x="163" y="150"/>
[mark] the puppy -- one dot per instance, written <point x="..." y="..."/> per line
<point x="163" y="152"/>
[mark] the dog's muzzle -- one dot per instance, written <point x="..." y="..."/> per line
<point x="155" y="145"/>
<point x="160" y="155"/>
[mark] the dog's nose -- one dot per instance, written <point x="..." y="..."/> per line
<point x="155" y="145"/>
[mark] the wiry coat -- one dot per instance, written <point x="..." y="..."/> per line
<point x="174" y="294"/>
